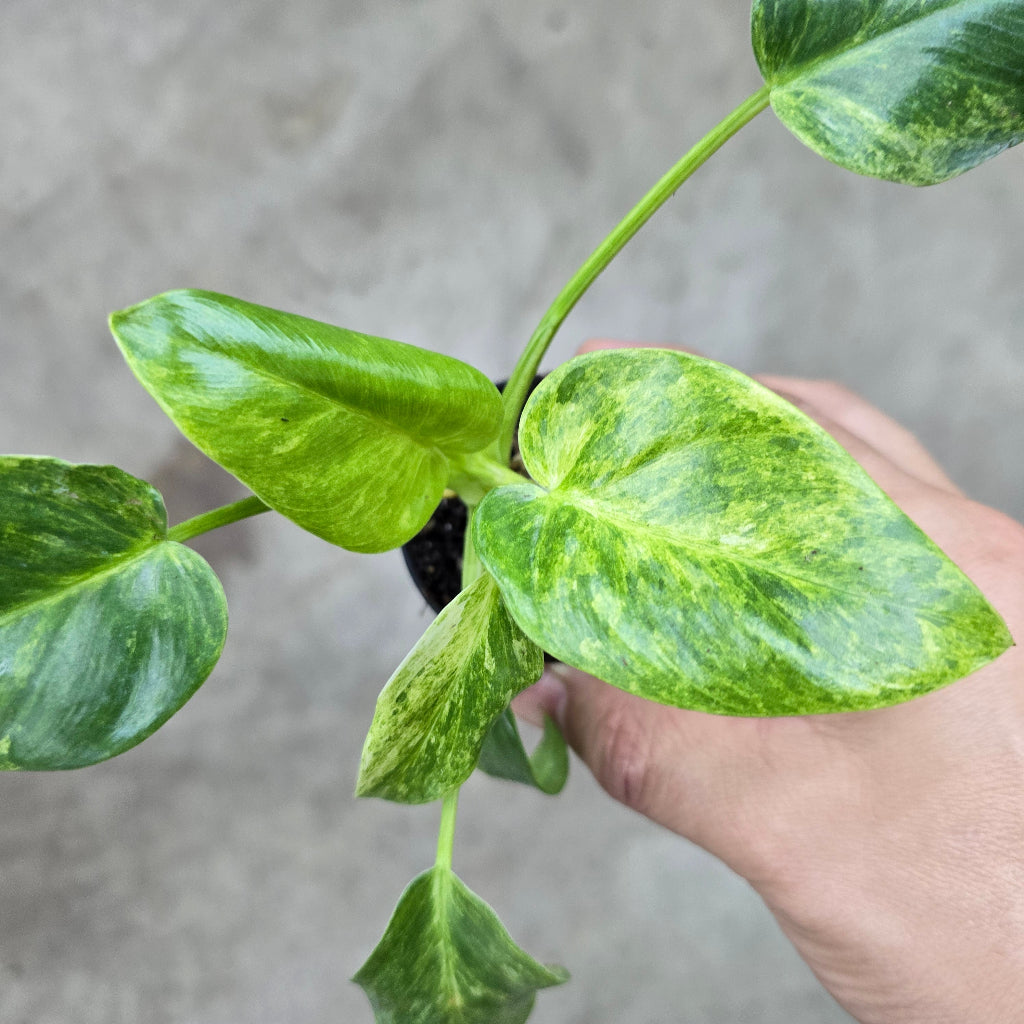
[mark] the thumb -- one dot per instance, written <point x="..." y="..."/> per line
<point x="686" y="770"/>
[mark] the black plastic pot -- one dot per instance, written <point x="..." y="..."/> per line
<point x="434" y="556"/>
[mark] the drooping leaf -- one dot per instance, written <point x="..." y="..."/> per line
<point x="915" y="91"/>
<point x="346" y="434"/>
<point x="692" y="538"/>
<point x="446" y="959"/>
<point x="106" y="628"/>
<point x="504" y="756"/>
<point x="433" y="714"/>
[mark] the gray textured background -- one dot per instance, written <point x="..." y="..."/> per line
<point x="431" y="171"/>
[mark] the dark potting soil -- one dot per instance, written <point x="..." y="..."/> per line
<point x="434" y="556"/>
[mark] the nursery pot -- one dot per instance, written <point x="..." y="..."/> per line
<point x="434" y="556"/>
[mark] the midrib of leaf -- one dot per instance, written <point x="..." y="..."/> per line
<point x="85" y="580"/>
<point x="441" y="883"/>
<point x="370" y="417"/>
<point x="599" y="510"/>
<point x="866" y="39"/>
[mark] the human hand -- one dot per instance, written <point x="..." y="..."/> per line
<point x="888" y="844"/>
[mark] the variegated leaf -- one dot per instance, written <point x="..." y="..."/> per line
<point x="692" y="538"/>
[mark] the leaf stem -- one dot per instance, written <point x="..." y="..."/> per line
<point x="251" y="506"/>
<point x="514" y="396"/>
<point x="446" y="832"/>
<point x="472" y="476"/>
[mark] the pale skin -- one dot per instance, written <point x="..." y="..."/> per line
<point x="888" y="844"/>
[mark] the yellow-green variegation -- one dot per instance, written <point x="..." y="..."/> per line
<point x="914" y="91"/>
<point x="348" y="435"/>
<point x="435" y="711"/>
<point x="691" y="537"/>
<point x="445" y="958"/>
<point x="106" y="627"/>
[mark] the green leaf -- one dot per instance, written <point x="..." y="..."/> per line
<point x="433" y="714"/>
<point x="504" y="756"/>
<point x="692" y="538"/>
<point x="106" y="628"/>
<point x="345" y="434"/>
<point x="915" y="91"/>
<point x="446" y="959"/>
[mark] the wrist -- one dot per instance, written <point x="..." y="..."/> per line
<point x="906" y="894"/>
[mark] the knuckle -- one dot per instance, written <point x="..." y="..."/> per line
<point x="626" y="768"/>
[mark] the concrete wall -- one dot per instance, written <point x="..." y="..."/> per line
<point x="429" y="170"/>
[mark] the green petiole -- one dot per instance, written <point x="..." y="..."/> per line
<point x="446" y="831"/>
<point x="472" y="476"/>
<point x="514" y="396"/>
<point x="189" y="528"/>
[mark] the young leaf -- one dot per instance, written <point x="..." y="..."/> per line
<point x="433" y="714"/>
<point x="693" y="538"/>
<point x="347" y="435"/>
<point x="504" y="756"/>
<point x="445" y="958"/>
<point x="106" y="628"/>
<point x="914" y="91"/>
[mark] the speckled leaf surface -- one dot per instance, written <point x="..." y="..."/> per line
<point x="505" y="757"/>
<point x="447" y="959"/>
<point x="434" y="713"/>
<point x="692" y="538"/>
<point x="106" y="628"/>
<point x="346" y="434"/>
<point x="914" y="91"/>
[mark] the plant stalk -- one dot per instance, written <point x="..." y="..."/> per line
<point x="446" y="832"/>
<point x="251" y="506"/>
<point x="472" y="476"/>
<point x="514" y="396"/>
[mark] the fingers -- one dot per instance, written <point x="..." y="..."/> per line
<point x="631" y="745"/>
<point x="887" y="450"/>
<point x="833" y="405"/>
<point x="666" y="763"/>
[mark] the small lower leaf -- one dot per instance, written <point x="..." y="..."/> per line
<point x="433" y="714"/>
<point x="106" y="628"/>
<point x="504" y="756"/>
<point x="445" y="958"/>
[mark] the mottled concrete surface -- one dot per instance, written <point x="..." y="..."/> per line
<point x="430" y="171"/>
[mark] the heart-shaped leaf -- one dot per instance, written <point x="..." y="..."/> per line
<point x="446" y="959"/>
<point x="692" y="538"/>
<point x="433" y="714"/>
<point x="347" y="435"/>
<point x="504" y="756"/>
<point x="914" y="91"/>
<point x="106" y="628"/>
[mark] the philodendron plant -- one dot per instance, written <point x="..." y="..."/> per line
<point x="679" y="531"/>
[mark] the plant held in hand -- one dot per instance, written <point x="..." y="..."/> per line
<point x="680" y="531"/>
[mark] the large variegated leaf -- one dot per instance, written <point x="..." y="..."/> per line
<point x="346" y="434"/>
<point x="106" y="627"/>
<point x="693" y="538"/>
<point x="435" y="711"/>
<point x="915" y="91"/>
<point x="446" y="959"/>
